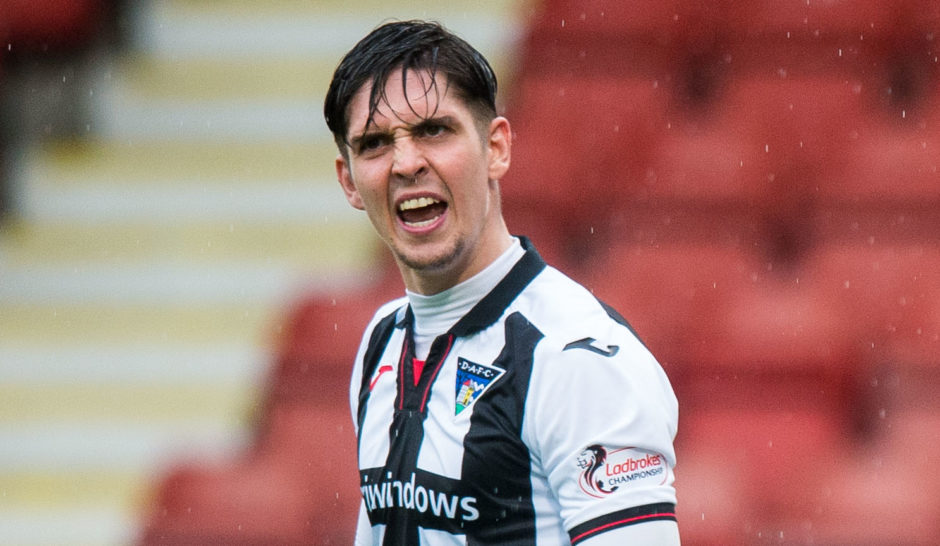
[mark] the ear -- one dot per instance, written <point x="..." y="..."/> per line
<point x="500" y="147"/>
<point x="346" y="182"/>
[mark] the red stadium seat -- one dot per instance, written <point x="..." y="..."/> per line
<point x="322" y="336"/>
<point x="293" y="486"/>
<point x="799" y="19"/>
<point x="873" y="496"/>
<point x="773" y="393"/>
<point x="299" y="489"/>
<point x="889" y="166"/>
<point x="615" y="37"/>
<point x="49" y="24"/>
<point x="579" y="148"/>
<point x="668" y="291"/>
<point x="890" y="289"/>
<point x="893" y="477"/>
<point x="647" y="18"/>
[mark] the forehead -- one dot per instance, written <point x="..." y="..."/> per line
<point x="407" y="99"/>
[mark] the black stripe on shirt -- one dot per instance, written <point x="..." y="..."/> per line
<point x="488" y="310"/>
<point x="377" y="342"/>
<point x="631" y="516"/>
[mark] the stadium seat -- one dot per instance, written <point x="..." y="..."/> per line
<point x="888" y="287"/>
<point x="579" y="150"/>
<point x="889" y="167"/>
<point x="884" y="492"/>
<point x="49" y="24"/>
<point x="296" y="484"/>
<point x="767" y="19"/>
<point x="611" y="17"/>
<point x="667" y="290"/>
<point x="615" y="35"/>
<point x="319" y="343"/>
<point x="773" y="391"/>
<point x="298" y="489"/>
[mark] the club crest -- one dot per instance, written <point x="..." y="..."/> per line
<point x="472" y="380"/>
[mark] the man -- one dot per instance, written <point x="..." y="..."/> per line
<point x="497" y="402"/>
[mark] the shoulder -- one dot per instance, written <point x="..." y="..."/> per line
<point x="384" y="318"/>
<point x="389" y="311"/>
<point x="574" y="321"/>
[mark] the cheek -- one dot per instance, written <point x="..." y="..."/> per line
<point x="371" y="188"/>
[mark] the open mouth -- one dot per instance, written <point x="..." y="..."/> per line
<point x="420" y="211"/>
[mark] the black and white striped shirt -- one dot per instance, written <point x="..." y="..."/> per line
<point x="537" y="418"/>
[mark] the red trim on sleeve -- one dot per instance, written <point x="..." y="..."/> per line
<point x="623" y="518"/>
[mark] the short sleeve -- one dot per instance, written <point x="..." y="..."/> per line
<point x="600" y="421"/>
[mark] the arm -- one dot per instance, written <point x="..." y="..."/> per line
<point x="660" y="533"/>
<point x="607" y="419"/>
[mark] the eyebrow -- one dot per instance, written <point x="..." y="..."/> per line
<point x="447" y="120"/>
<point x="357" y="140"/>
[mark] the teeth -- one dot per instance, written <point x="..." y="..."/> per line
<point x="424" y="223"/>
<point x="418" y="203"/>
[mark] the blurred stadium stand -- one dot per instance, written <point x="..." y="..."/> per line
<point x="761" y="198"/>
<point x="754" y="185"/>
<point x="161" y="227"/>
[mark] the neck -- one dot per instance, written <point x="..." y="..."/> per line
<point x="429" y="282"/>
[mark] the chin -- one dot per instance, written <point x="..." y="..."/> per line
<point x="430" y="262"/>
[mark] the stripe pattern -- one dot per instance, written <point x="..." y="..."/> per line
<point x="623" y="518"/>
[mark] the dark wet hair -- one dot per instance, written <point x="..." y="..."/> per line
<point x="405" y="46"/>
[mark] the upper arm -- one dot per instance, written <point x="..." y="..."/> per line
<point x="601" y="425"/>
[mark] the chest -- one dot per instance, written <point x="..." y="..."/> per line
<point x="429" y="408"/>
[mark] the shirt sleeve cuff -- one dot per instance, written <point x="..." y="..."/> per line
<point x="622" y="518"/>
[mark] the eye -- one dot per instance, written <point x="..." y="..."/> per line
<point x="372" y="142"/>
<point x="431" y="129"/>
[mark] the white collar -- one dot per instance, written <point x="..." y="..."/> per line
<point x="435" y="314"/>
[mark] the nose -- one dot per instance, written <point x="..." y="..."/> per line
<point x="409" y="160"/>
